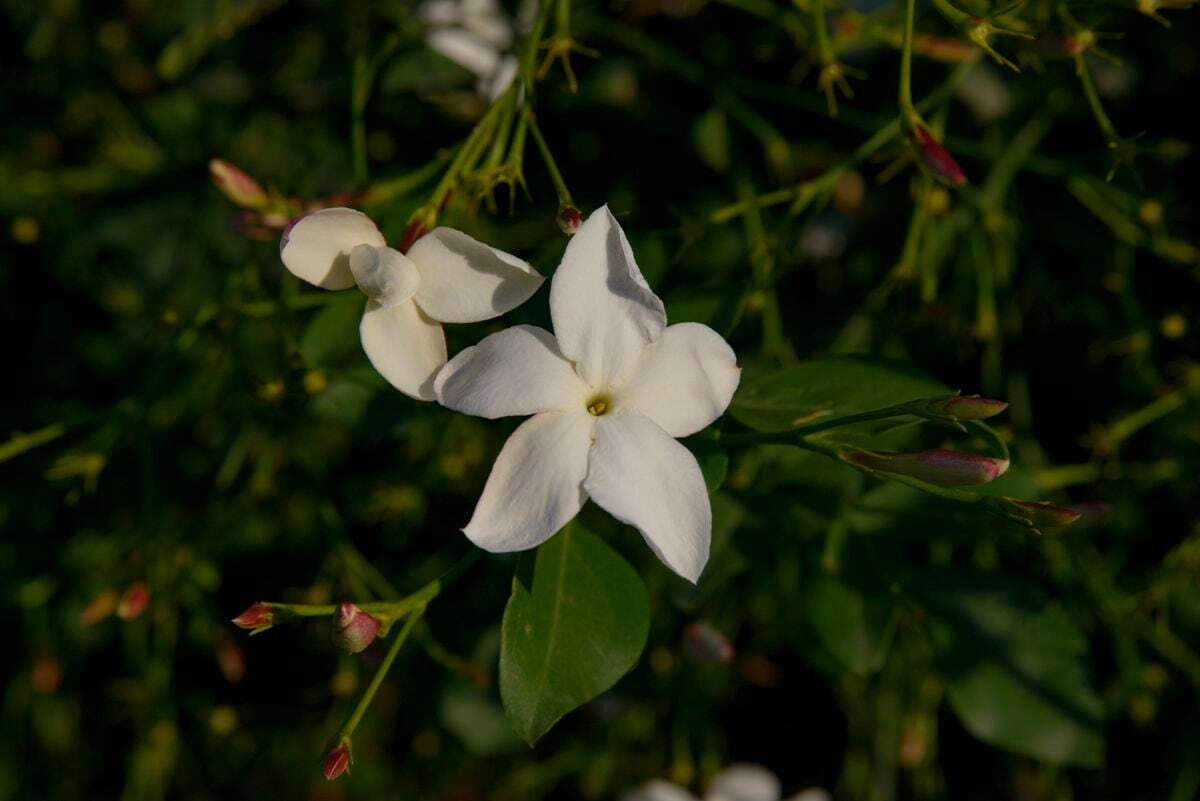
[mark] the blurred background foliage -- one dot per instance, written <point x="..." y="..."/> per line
<point x="187" y="429"/>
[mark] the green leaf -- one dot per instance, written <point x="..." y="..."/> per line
<point x="570" y="631"/>
<point x="1016" y="664"/>
<point x="779" y="400"/>
<point x="856" y="628"/>
<point x="332" y="334"/>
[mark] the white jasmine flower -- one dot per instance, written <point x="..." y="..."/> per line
<point x="477" y="35"/>
<point x="609" y="392"/>
<point x="741" y="782"/>
<point x="446" y="277"/>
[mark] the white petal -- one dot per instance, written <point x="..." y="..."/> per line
<point x="658" y="790"/>
<point x="487" y="20"/>
<point x="405" y="346"/>
<point x="744" y="783"/>
<point x="686" y="379"/>
<point x="439" y="12"/>
<point x="536" y="485"/>
<point x="317" y="247"/>
<point x="517" y="371"/>
<point x="465" y="281"/>
<point x="812" y="794"/>
<point x="604" y="312"/>
<point x="385" y="275"/>
<point x="465" y="49"/>
<point x="645" y="478"/>
<point x="501" y="79"/>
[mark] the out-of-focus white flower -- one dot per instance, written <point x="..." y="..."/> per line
<point x="740" y="782"/>
<point x="477" y="35"/>
<point x="609" y="392"/>
<point x="985" y="92"/>
<point x="446" y="277"/>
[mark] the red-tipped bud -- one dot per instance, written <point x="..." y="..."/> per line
<point x="258" y="617"/>
<point x="968" y="407"/>
<point x="1038" y="514"/>
<point x="936" y="160"/>
<point x="354" y="629"/>
<point x="706" y="644"/>
<point x="415" y="230"/>
<point x="337" y="761"/>
<point x="236" y="185"/>
<point x="569" y="219"/>
<point x="944" y="468"/>
<point x="134" y="601"/>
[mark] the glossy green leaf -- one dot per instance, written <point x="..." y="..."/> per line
<point x="1017" y="666"/>
<point x="855" y="627"/>
<point x="779" y="400"/>
<point x="571" y="630"/>
<point x="332" y="334"/>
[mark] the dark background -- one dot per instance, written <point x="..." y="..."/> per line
<point x="133" y="311"/>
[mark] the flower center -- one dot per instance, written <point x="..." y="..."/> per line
<point x="599" y="405"/>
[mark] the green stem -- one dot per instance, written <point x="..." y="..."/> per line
<point x="377" y="680"/>
<point x="1093" y="98"/>
<point x="1127" y="426"/>
<point x="906" y="103"/>
<point x="827" y="180"/>
<point x="560" y="186"/>
<point x="824" y="48"/>
<point x="20" y="443"/>
<point x="529" y="57"/>
<point x="389" y="188"/>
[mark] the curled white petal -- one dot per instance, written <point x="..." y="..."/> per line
<point x="517" y="371"/>
<point x="316" y="248"/>
<point x="404" y="345"/>
<point x="604" y="312"/>
<point x="536" y="485"/>
<point x="685" y="380"/>
<point x="643" y="477"/>
<point x="465" y="49"/>
<point x="465" y="281"/>
<point x="743" y="782"/>
<point x="385" y="275"/>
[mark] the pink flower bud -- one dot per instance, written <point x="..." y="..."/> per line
<point x="936" y="159"/>
<point x="337" y="761"/>
<point x="354" y="629"/>
<point x="1038" y="514"/>
<point x="258" y="617"/>
<point x="236" y="185"/>
<point x="134" y="601"/>
<point x="968" y="407"/>
<point x="706" y="644"/>
<point x="944" y="468"/>
<point x="569" y="219"/>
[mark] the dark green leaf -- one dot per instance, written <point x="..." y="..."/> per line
<point x="1016" y="664"/>
<point x="570" y="631"/>
<point x="855" y="627"/>
<point x="779" y="400"/>
<point x="332" y="334"/>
